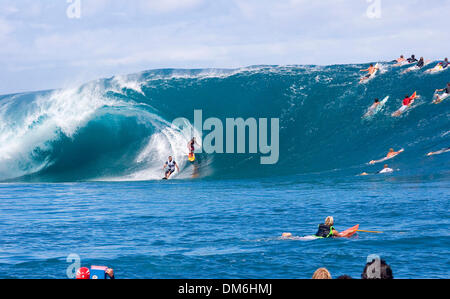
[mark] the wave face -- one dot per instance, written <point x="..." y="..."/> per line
<point x="119" y="129"/>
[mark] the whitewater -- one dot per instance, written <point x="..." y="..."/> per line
<point x="81" y="169"/>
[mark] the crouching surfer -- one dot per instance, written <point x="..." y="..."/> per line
<point x="170" y="166"/>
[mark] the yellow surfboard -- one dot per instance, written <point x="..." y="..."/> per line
<point x="191" y="157"/>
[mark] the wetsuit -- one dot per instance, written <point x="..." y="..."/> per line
<point x="446" y="90"/>
<point x="170" y="166"/>
<point x="191" y="146"/>
<point x="325" y="231"/>
<point x="411" y="60"/>
<point x="420" y="64"/>
<point x="444" y="64"/>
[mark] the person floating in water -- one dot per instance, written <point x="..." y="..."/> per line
<point x="446" y="94"/>
<point x="412" y="59"/>
<point x="445" y="150"/>
<point x="371" y="71"/>
<point x="170" y="165"/>
<point x="391" y="154"/>
<point x="386" y="169"/>
<point x="327" y="230"/>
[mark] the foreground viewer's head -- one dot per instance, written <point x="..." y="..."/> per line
<point x="384" y="271"/>
<point x="322" y="273"/>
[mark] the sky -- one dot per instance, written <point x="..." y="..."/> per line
<point x="58" y="43"/>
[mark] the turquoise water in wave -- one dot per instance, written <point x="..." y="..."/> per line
<point x="80" y="172"/>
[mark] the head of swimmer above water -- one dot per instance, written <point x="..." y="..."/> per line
<point x="386" y="166"/>
<point x="377" y="100"/>
<point x="329" y="221"/>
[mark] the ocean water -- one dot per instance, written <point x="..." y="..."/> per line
<point x="80" y="172"/>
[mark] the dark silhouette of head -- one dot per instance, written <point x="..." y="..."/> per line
<point x="384" y="271"/>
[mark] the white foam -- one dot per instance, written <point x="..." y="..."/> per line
<point x="42" y="120"/>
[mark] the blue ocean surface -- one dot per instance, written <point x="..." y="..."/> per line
<point x="81" y="169"/>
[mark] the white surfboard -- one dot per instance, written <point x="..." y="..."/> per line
<point x="380" y="106"/>
<point x="365" y="79"/>
<point x="437" y="69"/>
<point x="416" y="68"/>
<point x="442" y="97"/>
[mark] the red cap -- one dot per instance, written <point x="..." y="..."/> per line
<point x="83" y="273"/>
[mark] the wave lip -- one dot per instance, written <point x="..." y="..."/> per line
<point x="120" y="128"/>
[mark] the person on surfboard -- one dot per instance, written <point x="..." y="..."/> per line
<point x="371" y="70"/>
<point x="444" y="63"/>
<point x="386" y="169"/>
<point x="372" y="108"/>
<point x="327" y="230"/>
<point x="391" y="154"/>
<point x="412" y="59"/>
<point x="170" y="165"/>
<point x="421" y="63"/>
<point x="445" y="150"/>
<point x="400" y="60"/>
<point x="191" y="145"/>
<point x="374" y="105"/>
<point x="407" y="101"/>
<point x="446" y="94"/>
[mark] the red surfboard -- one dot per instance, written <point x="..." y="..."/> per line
<point x="349" y="232"/>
